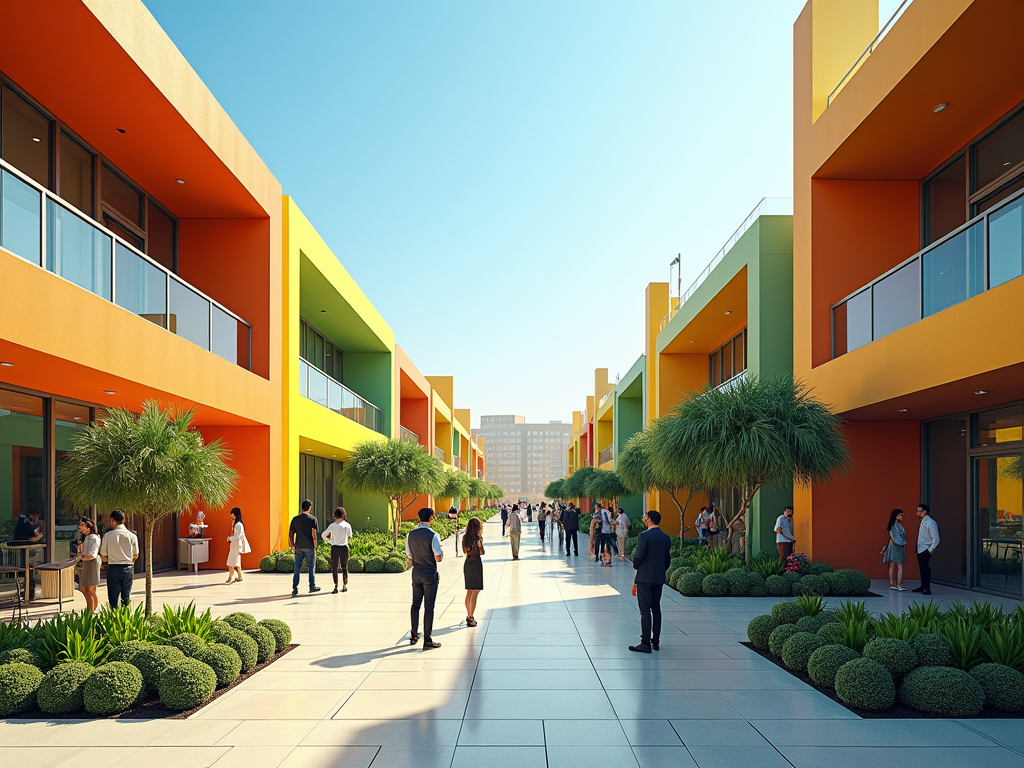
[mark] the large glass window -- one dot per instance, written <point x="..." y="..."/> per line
<point x="76" y="250"/>
<point x="1006" y="244"/>
<point x="999" y="152"/>
<point x="999" y="504"/>
<point x="728" y="360"/>
<point x="319" y="352"/>
<point x="22" y="474"/>
<point x="122" y="197"/>
<point x="67" y="419"/>
<point x="161" y="234"/>
<point x="955" y="270"/>
<point x="76" y="170"/>
<point x="20" y="214"/>
<point x="998" y="427"/>
<point x="318" y="483"/>
<point x="946" y="484"/>
<point x="945" y="200"/>
<point x="25" y="137"/>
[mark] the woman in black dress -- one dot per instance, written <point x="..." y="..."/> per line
<point x="473" y="567"/>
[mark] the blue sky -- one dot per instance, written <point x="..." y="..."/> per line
<point x="503" y="179"/>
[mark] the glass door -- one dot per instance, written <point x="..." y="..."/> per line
<point x="999" y="504"/>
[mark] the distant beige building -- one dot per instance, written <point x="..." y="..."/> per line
<point x="523" y="458"/>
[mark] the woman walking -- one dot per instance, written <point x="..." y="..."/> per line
<point x="89" y="552"/>
<point x="237" y="541"/>
<point x="896" y="550"/>
<point x="338" y="534"/>
<point x="473" y="567"/>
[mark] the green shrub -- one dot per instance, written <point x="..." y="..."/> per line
<point x="778" y="586"/>
<point x="798" y="649"/>
<point x="819" y="569"/>
<point x="738" y="582"/>
<point x="183" y="620"/>
<point x="787" y="612"/>
<point x="895" y="655"/>
<point x="356" y="565"/>
<point x="14" y="636"/>
<point x="825" y="661"/>
<point x="374" y="564"/>
<point x="22" y="655"/>
<point x="1003" y="686"/>
<point x="942" y="692"/>
<point x="812" y="585"/>
<point x="265" y="642"/>
<point x="964" y="641"/>
<point x="1004" y="643"/>
<point x="285" y="564"/>
<point x="62" y="689"/>
<point x="111" y="688"/>
<point x="831" y="633"/>
<point x="323" y="565"/>
<point x="779" y="636"/>
<point x="223" y="660"/>
<point x="811" y="605"/>
<point x="791" y="576"/>
<point x="126" y="651"/>
<point x="245" y="647"/>
<point x="187" y="643"/>
<point x="268" y="563"/>
<point x="394" y="565"/>
<point x="809" y="623"/>
<point x="18" y="685"/>
<point x="932" y="649"/>
<point x="756" y="585"/>
<point x="759" y="629"/>
<point x="715" y="585"/>
<point x="898" y="626"/>
<point x="187" y="685"/>
<point x="240" y="620"/>
<point x="282" y="633"/>
<point x="847" y="582"/>
<point x="152" y="660"/>
<point x="690" y="584"/>
<point x="865" y="684"/>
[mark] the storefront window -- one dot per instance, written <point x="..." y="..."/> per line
<point x="946" y="472"/>
<point x="22" y="474"/>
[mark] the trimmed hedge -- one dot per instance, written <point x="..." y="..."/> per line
<point x="268" y="563"/>
<point x="812" y="585"/>
<point x="778" y="586"/>
<point x="865" y="684"/>
<point x="779" y="636"/>
<point x="265" y="643"/>
<point x="152" y="660"/>
<point x="245" y="647"/>
<point x="760" y="629"/>
<point x="933" y="650"/>
<point x="810" y="623"/>
<point x="690" y="584"/>
<point x="943" y="692"/>
<point x="112" y="687"/>
<point x="787" y="612"/>
<point x="847" y="582"/>
<point x="285" y="564"/>
<point x="374" y="564"/>
<point x="738" y="582"/>
<point x="187" y="684"/>
<point x="798" y="649"/>
<point x="240" y="620"/>
<point x="756" y="585"/>
<point x="22" y="655"/>
<point x="127" y="651"/>
<point x="223" y="660"/>
<point x="895" y="655"/>
<point x="831" y="633"/>
<point x="356" y="565"/>
<point x="18" y="685"/>
<point x="826" y="661"/>
<point x="62" y="690"/>
<point x="281" y="631"/>
<point x="394" y="565"/>
<point x="187" y="643"/>
<point x="1003" y="686"/>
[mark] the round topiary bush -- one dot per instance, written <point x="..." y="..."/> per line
<point x="323" y="565"/>
<point x="787" y="612"/>
<point x="798" y="649"/>
<point x="1003" y="686"/>
<point x="756" y="585"/>
<point x="819" y="569"/>
<point x="282" y="633"/>
<point x="240" y="620"/>
<point x="831" y="633"/>
<point x="223" y="660"/>
<point x="187" y="643"/>
<point x="738" y="582"/>
<point x="690" y="584"/>
<point x="812" y="585"/>
<point x="778" y="586"/>
<point x="265" y="643"/>
<point x="18" y="685"/>
<point x="895" y="655"/>
<point x="825" y="661"/>
<point x="152" y="660"/>
<point x="791" y="576"/>
<point x="779" y="636"/>
<point x="111" y="688"/>
<point x="374" y="564"/>
<point x="865" y="684"/>
<point x="285" y="564"/>
<point x="63" y="688"/>
<point x="268" y="564"/>
<point x="356" y="565"/>
<point x="933" y="650"/>
<point x="245" y="647"/>
<point x="848" y="583"/>
<point x="126" y="651"/>
<point x="21" y="655"/>
<point x="759" y="629"/>
<point x="715" y="585"/>
<point x="187" y="684"/>
<point x="394" y="565"/>
<point x="809" y="623"/>
<point x="943" y="692"/>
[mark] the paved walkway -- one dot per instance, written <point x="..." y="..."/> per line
<point x="545" y="681"/>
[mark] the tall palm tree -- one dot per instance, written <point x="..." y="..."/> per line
<point x="456" y="486"/>
<point x="150" y="465"/>
<point x="554" y="489"/>
<point x="763" y="430"/>
<point x="575" y="486"/>
<point x="606" y="485"/>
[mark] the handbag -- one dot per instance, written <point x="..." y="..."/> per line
<point x="243" y="546"/>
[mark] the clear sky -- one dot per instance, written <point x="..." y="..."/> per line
<point x="503" y="178"/>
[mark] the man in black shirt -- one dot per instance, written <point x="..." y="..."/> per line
<point x="423" y="546"/>
<point x="571" y="524"/>
<point x="302" y="539"/>
<point x="650" y="561"/>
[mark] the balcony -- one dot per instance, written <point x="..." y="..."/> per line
<point x="439" y="454"/>
<point x="867" y="52"/>
<point x="604" y="399"/>
<point x="321" y="388"/>
<point x="984" y="253"/>
<point x="606" y="455"/>
<point x="408" y="435"/>
<point x="45" y="230"/>
<point x="457" y="462"/>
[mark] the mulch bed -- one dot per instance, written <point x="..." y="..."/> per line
<point x="151" y="708"/>
<point x="774" y="597"/>
<point x="896" y="711"/>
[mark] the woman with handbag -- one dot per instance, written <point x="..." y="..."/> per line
<point x="895" y="551"/>
<point x="239" y="546"/>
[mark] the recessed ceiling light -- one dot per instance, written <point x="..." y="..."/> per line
<point x="121" y="130"/>
<point x="981" y="391"/>
<point x="7" y="364"/>
<point x="323" y="310"/>
<point x="78" y="418"/>
<point x="109" y="392"/>
<point x="180" y="181"/>
<point x="693" y="341"/>
<point x="36" y="138"/>
<point x="309" y="449"/>
<point x="902" y="410"/>
<point x="940" y="107"/>
<point x="728" y="311"/>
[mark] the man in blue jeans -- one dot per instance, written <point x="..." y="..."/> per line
<point x="302" y="539"/>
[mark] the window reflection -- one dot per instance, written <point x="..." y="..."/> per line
<point x="945" y="199"/>
<point x="26" y="137"/>
<point x="76" y="164"/>
<point x="999" y="152"/>
<point x="21" y="467"/>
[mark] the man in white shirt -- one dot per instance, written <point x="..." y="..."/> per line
<point x="119" y="550"/>
<point x="423" y="547"/>
<point x="927" y="542"/>
<point x="338" y="534"/>
<point x="622" y="532"/>
<point x="784" y="536"/>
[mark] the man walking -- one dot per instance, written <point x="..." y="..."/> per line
<point x="651" y="561"/>
<point x="784" y="538"/>
<point x="927" y="541"/>
<point x="119" y="549"/>
<point x="515" y="530"/>
<point x="504" y="518"/>
<point x="571" y="525"/>
<point x="423" y="546"/>
<point x="542" y="518"/>
<point x="302" y="540"/>
<point x="622" y="532"/>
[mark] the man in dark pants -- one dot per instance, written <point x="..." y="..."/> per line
<point x="571" y="524"/>
<point x="119" y="549"/>
<point x="302" y="540"/>
<point x="650" y="561"/>
<point x="504" y="518"/>
<point x="423" y="546"/>
<point x="927" y="541"/>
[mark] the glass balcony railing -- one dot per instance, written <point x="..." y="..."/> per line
<point x="457" y="462"/>
<point x="45" y="230"/>
<point x="728" y="384"/>
<point x="439" y="454"/>
<point x="984" y="253"/>
<point x="317" y="386"/>
<point x="606" y="455"/>
<point x="408" y="435"/>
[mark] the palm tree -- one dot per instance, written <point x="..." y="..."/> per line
<point x="397" y="470"/>
<point x="554" y="489"/>
<point x="763" y="430"/>
<point x="456" y="486"/>
<point x="606" y="485"/>
<point x="150" y="465"/>
<point x="639" y="472"/>
<point x="575" y="486"/>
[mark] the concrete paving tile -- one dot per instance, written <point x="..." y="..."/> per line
<point x="499" y="757"/>
<point x="524" y="704"/>
<point x="38" y="757"/>
<point x="1008" y="732"/>
<point x="901" y="757"/>
<point x="330" y="757"/>
<point x="663" y="757"/>
<point x="643" y="705"/>
<point x="787" y="705"/>
<point x="14" y="733"/>
<point x="874" y="733"/>
<point x="593" y="733"/>
<point x="438" y="705"/>
<point x="98" y="756"/>
<point x="179" y="757"/>
<point x="651" y="733"/>
<point x="384" y="731"/>
<point x="115" y="733"/>
<point x="435" y="679"/>
<point x="253" y="757"/>
<point x="728" y="756"/>
<point x="589" y="756"/>
<point x="195" y="732"/>
<point x="713" y="732"/>
<point x="274" y="705"/>
<point x="497" y="733"/>
<point x="278" y="733"/>
<point x="433" y="756"/>
<point x="537" y="679"/>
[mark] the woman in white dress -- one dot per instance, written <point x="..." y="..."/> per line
<point x="235" y="552"/>
<point x="89" y="554"/>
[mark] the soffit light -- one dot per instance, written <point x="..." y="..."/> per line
<point x="728" y="311"/>
<point x="902" y="410"/>
<point x="180" y="181"/>
<point x="109" y="392"/>
<point x="36" y="139"/>
<point x="121" y="130"/>
<point x="7" y="364"/>
<point x="981" y="392"/>
<point x="940" y="107"/>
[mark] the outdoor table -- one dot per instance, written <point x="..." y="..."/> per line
<point x="59" y="568"/>
<point x="25" y="547"/>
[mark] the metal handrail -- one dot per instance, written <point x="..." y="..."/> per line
<point x="606" y="454"/>
<point x="867" y="51"/>
<point x="439" y="454"/>
<point x="408" y="435"/>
